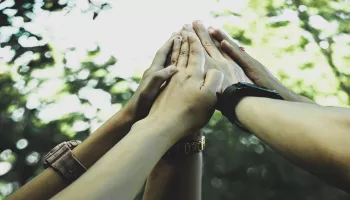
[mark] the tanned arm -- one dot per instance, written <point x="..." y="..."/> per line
<point x="178" y="177"/>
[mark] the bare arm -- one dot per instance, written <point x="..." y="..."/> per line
<point x="315" y="138"/>
<point x="121" y="172"/>
<point x="172" y="117"/>
<point x="176" y="178"/>
<point x="49" y="182"/>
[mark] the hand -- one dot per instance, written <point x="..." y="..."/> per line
<point x="141" y="102"/>
<point x="216" y="59"/>
<point x="257" y="72"/>
<point x="189" y="99"/>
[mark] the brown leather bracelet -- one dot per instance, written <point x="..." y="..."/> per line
<point x="62" y="160"/>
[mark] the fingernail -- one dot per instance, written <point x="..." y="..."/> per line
<point x="198" y="22"/>
<point x="172" y="69"/>
<point x="211" y="29"/>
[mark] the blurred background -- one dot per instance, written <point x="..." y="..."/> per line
<point x="67" y="65"/>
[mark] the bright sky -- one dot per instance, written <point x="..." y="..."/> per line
<point x="132" y="30"/>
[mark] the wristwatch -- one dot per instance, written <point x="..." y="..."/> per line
<point x="232" y="95"/>
<point x="186" y="146"/>
<point x="62" y="160"/>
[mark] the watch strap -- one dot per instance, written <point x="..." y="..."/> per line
<point x="62" y="160"/>
<point x="232" y="95"/>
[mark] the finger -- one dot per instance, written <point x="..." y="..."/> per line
<point x="188" y="28"/>
<point x="161" y="55"/>
<point x="217" y="43"/>
<point x="239" y="56"/>
<point x="220" y="35"/>
<point x="213" y="80"/>
<point x="205" y="39"/>
<point x="196" y="58"/>
<point x="183" y="57"/>
<point x="158" y="78"/>
<point x="176" y="50"/>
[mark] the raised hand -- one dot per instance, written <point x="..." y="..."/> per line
<point x="141" y="102"/>
<point x="215" y="58"/>
<point x="190" y="97"/>
<point x="257" y="72"/>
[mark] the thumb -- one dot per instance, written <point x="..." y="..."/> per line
<point x="213" y="80"/>
<point x="159" y="77"/>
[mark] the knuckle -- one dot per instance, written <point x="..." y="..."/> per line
<point x="206" y="43"/>
<point x="184" y="52"/>
<point x="188" y="76"/>
<point x="194" y="51"/>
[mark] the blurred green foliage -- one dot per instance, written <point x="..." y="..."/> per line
<point x="301" y="41"/>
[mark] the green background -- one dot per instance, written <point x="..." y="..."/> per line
<point x="310" y="60"/>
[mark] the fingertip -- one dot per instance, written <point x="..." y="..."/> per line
<point x="219" y="34"/>
<point x="218" y="31"/>
<point x="225" y="43"/>
<point x="186" y="26"/>
<point x="172" y="69"/>
<point x="184" y="33"/>
<point x="197" y="22"/>
<point x="211" y="30"/>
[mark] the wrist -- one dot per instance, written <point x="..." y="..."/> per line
<point x="128" y="114"/>
<point x="168" y="130"/>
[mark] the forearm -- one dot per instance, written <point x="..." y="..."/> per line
<point x="178" y="177"/>
<point x="314" y="137"/>
<point x="121" y="172"/>
<point x="49" y="182"/>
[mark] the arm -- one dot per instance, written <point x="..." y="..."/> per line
<point x="49" y="182"/>
<point x="176" y="178"/>
<point x="315" y="138"/>
<point x="256" y="71"/>
<point x="139" y="151"/>
<point x="172" y="117"/>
